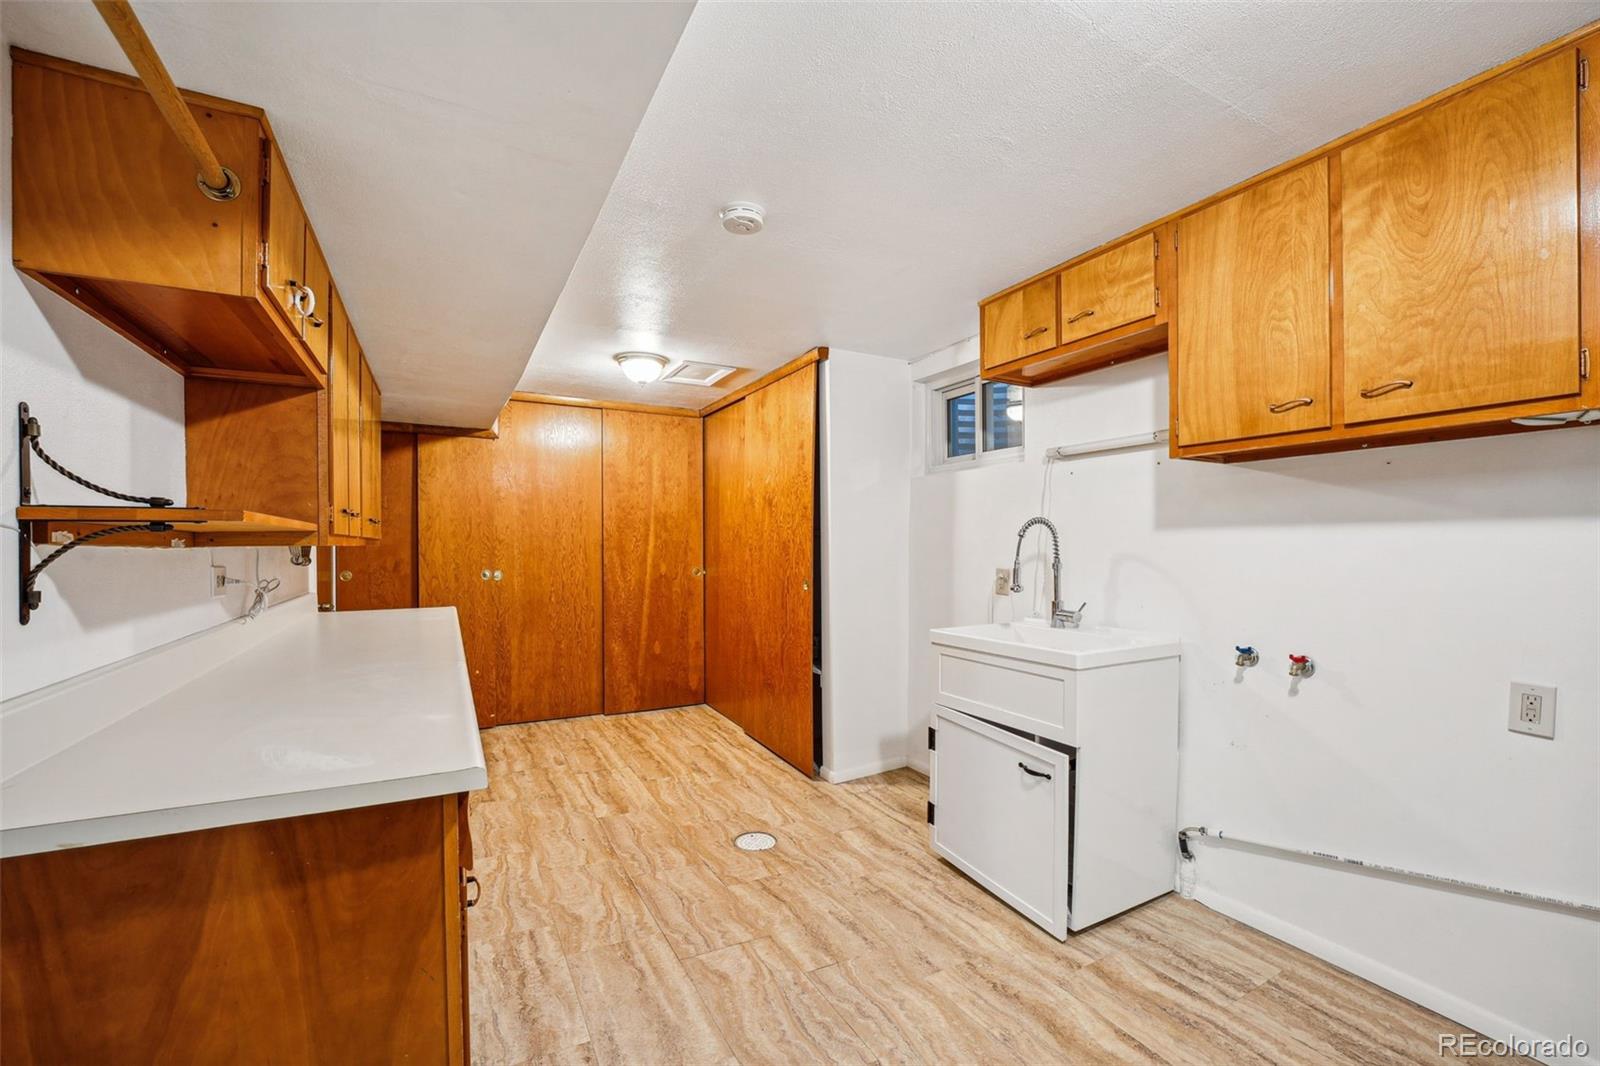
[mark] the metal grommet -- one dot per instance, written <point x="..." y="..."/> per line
<point x="228" y="192"/>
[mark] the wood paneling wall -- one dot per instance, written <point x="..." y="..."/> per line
<point x="760" y="459"/>
<point x="383" y="573"/>
<point x="548" y="495"/>
<point x="653" y="554"/>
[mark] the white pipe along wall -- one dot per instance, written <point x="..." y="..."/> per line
<point x="114" y="415"/>
<point x="1423" y="580"/>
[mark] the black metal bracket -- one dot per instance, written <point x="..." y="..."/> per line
<point x="28" y="434"/>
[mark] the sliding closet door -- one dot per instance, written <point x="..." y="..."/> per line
<point x="457" y="545"/>
<point x="760" y="509"/>
<point x="547" y="474"/>
<point x="652" y="556"/>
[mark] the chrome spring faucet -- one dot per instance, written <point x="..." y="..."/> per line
<point x="1060" y="617"/>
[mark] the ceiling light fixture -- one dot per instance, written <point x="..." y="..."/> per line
<point x="742" y="219"/>
<point x="641" y="367"/>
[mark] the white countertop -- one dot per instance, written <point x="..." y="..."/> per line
<point x="312" y="713"/>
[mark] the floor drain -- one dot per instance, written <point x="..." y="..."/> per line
<point x="755" y="841"/>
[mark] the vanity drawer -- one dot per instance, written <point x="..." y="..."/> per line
<point x="1032" y="697"/>
<point x="1002" y="814"/>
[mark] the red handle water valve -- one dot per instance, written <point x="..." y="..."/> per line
<point x="1300" y="659"/>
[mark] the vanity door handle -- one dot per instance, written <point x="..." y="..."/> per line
<point x="1290" y="405"/>
<point x="1080" y="314"/>
<point x="1386" y="388"/>
<point x="1031" y="772"/>
<point x="1032" y="333"/>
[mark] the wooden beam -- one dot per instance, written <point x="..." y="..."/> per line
<point x="492" y="433"/>
<point x="604" y="405"/>
<point x="815" y="355"/>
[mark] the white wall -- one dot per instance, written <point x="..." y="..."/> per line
<point x="113" y="414"/>
<point x="1423" y="580"/>
<point x="865" y="481"/>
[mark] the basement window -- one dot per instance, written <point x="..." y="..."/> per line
<point x="971" y="421"/>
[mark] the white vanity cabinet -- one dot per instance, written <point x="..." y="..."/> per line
<point x="1054" y="766"/>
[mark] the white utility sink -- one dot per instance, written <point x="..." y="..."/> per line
<point x="1071" y="649"/>
<point x="1054" y="757"/>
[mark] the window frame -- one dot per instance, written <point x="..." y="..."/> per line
<point x="939" y="390"/>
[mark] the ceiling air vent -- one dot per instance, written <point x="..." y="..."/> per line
<point x="689" y="373"/>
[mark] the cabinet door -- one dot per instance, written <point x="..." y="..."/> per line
<point x="1461" y="251"/>
<point x="652" y="547"/>
<point x="315" y="325"/>
<point x="548" y="493"/>
<point x="1110" y="290"/>
<point x="341" y="431"/>
<point x="383" y="574"/>
<point x="1251" y="345"/>
<point x="458" y="545"/>
<point x="286" y="238"/>
<point x="371" y="453"/>
<point x="1021" y="323"/>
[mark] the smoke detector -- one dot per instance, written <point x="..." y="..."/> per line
<point x="743" y="219"/>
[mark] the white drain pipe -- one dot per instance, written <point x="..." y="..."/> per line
<point x="1417" y="875"/>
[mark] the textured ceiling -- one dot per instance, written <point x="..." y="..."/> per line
<point x="453" y="156"/>
<point x="915" y="157"/>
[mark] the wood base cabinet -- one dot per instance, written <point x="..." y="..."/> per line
<point x="336" y="938"/>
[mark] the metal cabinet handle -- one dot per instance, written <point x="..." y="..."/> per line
<point x="1386" y="388"/>
<point x="347" y="512"/>
<point x="1031" y="772"/>
<point x="375" y="521"/>
<point x="1032" y="333"/>
<point x="472" y="900"/>
<point x="1080" y="314"/>
<point x="1290" y="405"/>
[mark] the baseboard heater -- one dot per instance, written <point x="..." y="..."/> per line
<point x="1185" y="835"/>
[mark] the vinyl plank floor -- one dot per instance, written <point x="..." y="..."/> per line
<point x="617" y="924"/>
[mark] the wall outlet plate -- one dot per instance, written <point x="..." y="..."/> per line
<point x="1532" y="710"/>
<point x="1002" y="581"/>
<point x="219" y="580"/>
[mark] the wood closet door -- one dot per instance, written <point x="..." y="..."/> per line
<point x="457" y="543"/>
<point x="760" y="512"/>
<point x="383" y="573"/>
<point x="547" y="473"/>
<point x="652" y="555"/>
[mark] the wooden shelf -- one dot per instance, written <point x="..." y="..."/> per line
<point x="192" y="527"/>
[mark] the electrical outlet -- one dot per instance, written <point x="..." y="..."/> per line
<point x="1002" y="581"/>
<point x="219" y="580"/>
<point x="1533" y="710"/>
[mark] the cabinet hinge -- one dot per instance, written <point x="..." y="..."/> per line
<point x="1583" y="364"/>
<point x="1158" y="295"/>
<point x="932" y="734"/>
<point x="1583" y="73"/>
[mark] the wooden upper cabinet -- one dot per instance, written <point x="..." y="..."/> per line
<point x="1251" y="347"/>
<point x="314" y="305"/>
<point x="1020" y="323"/>
<point x="343" y="467"/>
<point x="1461" y="250"/>
<point x="1109" y="290"/>
<point x="371" y="450"/>
<point x="284" y="258"/>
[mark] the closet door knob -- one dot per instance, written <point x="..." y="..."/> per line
<point x="483" y="575"/>
<point x="498" y="574"/>
<point x="344" y="575"/>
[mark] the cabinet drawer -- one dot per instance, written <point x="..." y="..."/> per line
<point x="1018" y="694"/>
<point x="1020" y="323"/>
<point x="1110" y="290"/>
<point x="1002" y="814"/>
